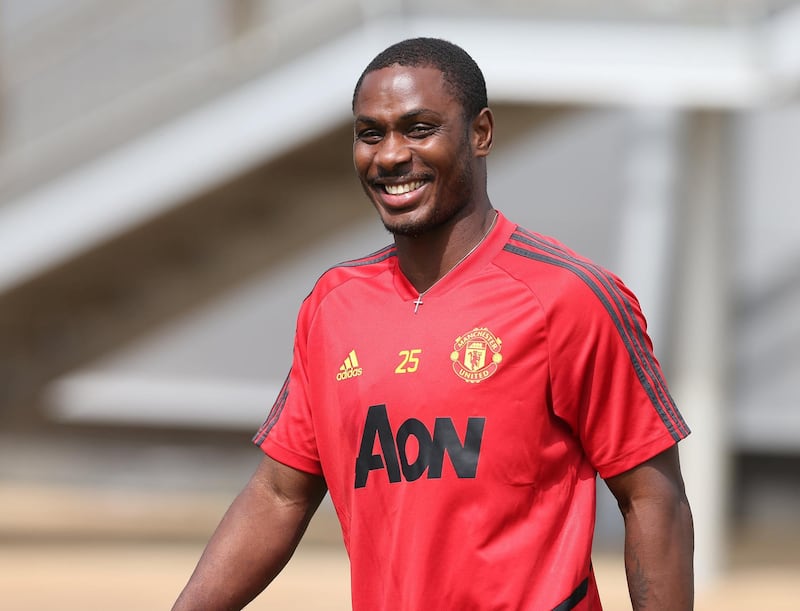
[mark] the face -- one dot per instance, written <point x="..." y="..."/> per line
<point x="413" y="150"/>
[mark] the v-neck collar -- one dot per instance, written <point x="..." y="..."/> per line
<point x="485" y="252"/>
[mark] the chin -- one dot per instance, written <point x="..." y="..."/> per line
<point x="408" y="230"/>
<point x="410" y="225"/>
<point x="415" y="226"/>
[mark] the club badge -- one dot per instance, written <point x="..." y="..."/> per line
<point x="476" y="355"/>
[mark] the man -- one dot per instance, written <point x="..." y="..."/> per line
<point x="458" y="391"/>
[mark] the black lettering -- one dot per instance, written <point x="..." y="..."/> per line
<point x="377" y="423"/>
<point x="431" y="448"/>
<point x="464" y="457"/>
<point x="412" y="426"/>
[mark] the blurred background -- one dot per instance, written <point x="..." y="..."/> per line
<point x="174" y="175"/>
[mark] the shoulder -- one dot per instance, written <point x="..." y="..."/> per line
<point x="578" y="296"/>
<point x="556" y="274"/>
<point x="345" y="276"/>
<point x="342" y="274"/>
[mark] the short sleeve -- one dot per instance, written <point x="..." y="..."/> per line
<point x="607" y="384"/>
<point x="287" y="434"/>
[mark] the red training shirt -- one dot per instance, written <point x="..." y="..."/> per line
<point x="461" y="443"/>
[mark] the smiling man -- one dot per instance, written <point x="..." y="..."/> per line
<point x="458" y="392"/>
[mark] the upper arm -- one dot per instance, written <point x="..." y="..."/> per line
<point x="657" y="479"/>
<point x="287" y="486"/>
<point x="659" y="535"/>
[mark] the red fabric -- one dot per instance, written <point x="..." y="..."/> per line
<point x="487" y="415"/>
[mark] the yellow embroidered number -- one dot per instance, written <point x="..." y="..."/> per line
<point x="410" y="362"/>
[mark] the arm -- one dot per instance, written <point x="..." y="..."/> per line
<point x="255" y="538"/>
<point x="659" y="536"/>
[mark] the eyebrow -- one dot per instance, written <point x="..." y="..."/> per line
<point x="404" y="117"/>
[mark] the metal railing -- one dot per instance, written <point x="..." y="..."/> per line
<point x="81" y="77"/>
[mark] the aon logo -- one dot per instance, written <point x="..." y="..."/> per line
<point x="393" y="455"/>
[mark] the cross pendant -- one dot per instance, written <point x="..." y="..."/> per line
<point x="417" y="303"/>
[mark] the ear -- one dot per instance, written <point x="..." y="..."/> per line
<point x="482" y="131"/>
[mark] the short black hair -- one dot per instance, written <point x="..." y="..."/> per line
<point x="461" y="74"/>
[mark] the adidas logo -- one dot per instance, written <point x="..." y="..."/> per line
<point x="350" y="367"/>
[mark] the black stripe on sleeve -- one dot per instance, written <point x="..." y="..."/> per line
<point x="274" y="413"/>
<point x="381" y="255"/>
<point x="633" y="338"/>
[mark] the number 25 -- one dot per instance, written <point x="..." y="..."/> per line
<point x="410" y="362"/>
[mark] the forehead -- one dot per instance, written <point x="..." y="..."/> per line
<point x="401" y="89"/>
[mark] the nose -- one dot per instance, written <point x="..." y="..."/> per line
<point x="393" y="151"/>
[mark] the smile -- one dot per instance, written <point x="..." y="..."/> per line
<point x="403" y="188"/>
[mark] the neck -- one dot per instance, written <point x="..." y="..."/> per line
<point x="426" y="259"/>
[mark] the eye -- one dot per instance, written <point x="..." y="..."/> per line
<point x="369" y="136"/>
<point x="421" y="130"/>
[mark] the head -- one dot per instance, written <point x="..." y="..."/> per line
<point x="422" y="132"/>
<point x="459" y="71"/>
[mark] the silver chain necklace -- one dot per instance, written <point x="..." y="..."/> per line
<point x="418" y="301"/>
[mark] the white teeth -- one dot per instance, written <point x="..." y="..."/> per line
<point x="403" y="188"/>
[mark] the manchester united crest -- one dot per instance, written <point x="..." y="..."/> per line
<point x="476" y="355"/>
